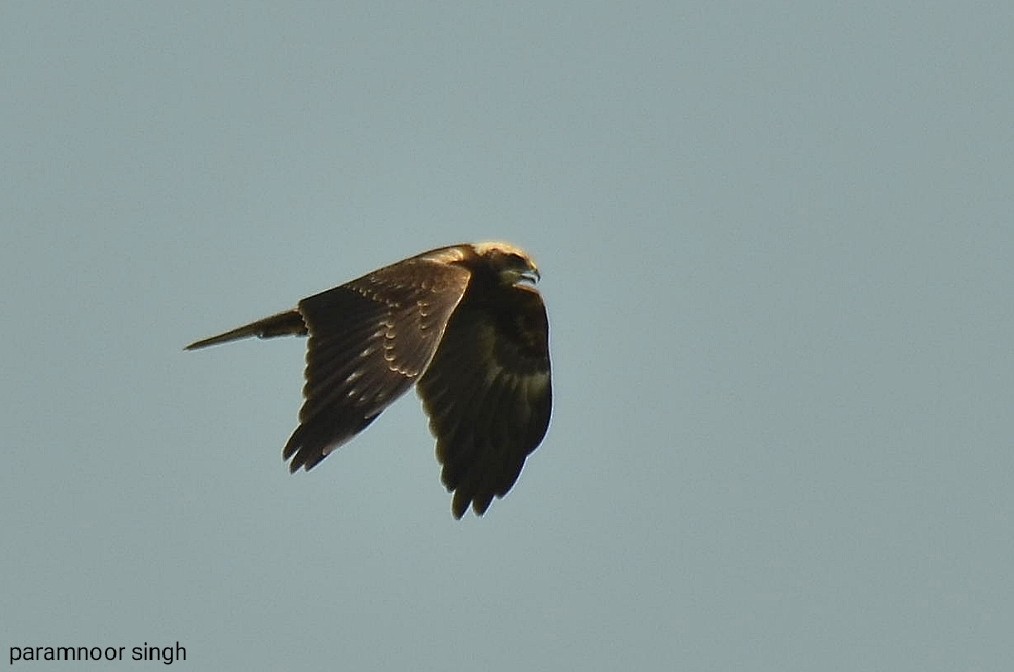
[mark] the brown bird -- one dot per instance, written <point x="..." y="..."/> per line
<point x="465" y="324"/>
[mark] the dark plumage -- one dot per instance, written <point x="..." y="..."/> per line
<point x="462" y="324"/>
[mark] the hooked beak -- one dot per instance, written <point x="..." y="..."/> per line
<point x="532" y="275"/>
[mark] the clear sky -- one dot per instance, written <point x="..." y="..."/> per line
<point x="776" y="244"/>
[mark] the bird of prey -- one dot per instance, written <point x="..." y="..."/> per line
<point x="463" y="323"/>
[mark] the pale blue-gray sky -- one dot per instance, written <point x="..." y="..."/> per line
<point x="777" y="249"/>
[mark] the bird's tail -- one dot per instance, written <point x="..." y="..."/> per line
<point x="289" y="323"/>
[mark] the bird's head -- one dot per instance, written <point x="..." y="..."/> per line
<point x="511" y="264"/>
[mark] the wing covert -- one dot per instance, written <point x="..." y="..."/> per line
<point x="370" y="339"/>
<point x="488" y="394"/>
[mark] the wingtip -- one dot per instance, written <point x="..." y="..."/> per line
<point x="459" y="505"/>
<point x="462" y="503"/>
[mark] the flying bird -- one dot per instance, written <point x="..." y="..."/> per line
<point x="463" y="323"/>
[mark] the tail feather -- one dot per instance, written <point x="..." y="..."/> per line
<point x="289" y="323"/>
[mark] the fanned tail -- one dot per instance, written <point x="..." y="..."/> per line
<point x="289" y="323"/>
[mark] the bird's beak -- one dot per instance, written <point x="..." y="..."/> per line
<point x="532" y="275"/>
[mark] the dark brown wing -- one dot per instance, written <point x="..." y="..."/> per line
<point x="488" y="393"/>
<point x="369" y="341"/>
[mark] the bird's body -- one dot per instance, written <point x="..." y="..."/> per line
<point x="461" y="324"/>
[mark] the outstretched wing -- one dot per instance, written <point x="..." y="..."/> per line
<point x="370" y="339"/>
<point x="488" y="393"/>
